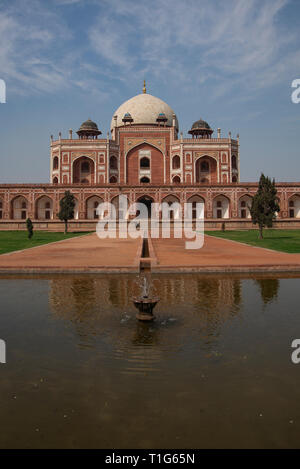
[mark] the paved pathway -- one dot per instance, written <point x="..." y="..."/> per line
<point x="85" y="253"/>
<point x="220" y="255"/>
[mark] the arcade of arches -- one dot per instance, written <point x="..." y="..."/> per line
<point x="220" y="207"/>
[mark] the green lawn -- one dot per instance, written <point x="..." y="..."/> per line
<point x="278" y="240"/>
<point x="18" y="240"/>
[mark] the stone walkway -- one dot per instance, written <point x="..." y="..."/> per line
<point x="83" y="254"/>
<point x="89" y="254"/>
<point x="220" y="255"/>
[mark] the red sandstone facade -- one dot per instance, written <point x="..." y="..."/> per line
<point x="144" y="159"/>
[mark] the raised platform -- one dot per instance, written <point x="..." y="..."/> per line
<point x="88" y="254"/>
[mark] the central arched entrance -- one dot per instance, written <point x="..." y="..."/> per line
<point x="147" y="201"/>
<point x="144" y="164"/>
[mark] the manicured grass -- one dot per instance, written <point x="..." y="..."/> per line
<point x="278" y="240"/>
<point x="18" y="240"/>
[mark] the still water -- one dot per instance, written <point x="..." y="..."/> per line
<point x="214" y="370"/>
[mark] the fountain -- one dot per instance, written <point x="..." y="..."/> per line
<point x="145" y="303"/>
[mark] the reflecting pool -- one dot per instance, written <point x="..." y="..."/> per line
<point x="214" y="369"/>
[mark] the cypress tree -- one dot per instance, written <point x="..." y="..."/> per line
<point x="265" y="204"/>
<point x="29" y="226"/>
<point x="67" y="206"/>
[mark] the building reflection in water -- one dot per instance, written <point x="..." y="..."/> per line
<point x="269" y="288"/>
<point x="96" y="304"/>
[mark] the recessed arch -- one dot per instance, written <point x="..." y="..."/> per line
<point x="194" y="200"/>
<point x="221" y="207"/>
<point x="147" y="201"/>
<point x="133" y="169"/>
<point x="176" y="162"/>
<point x="55" y="163"/>
<point x="44" y="208"/>
<point x="150" y="144"/>
<point x="91" y="206"/>
<point x="19" y="208"/>
<point x="244" y="205"/>
<point x="171" y="198"/>
<point x="234" y="162"/>
<point x="122" y="211"/>
<point x="294" y="206"/>
<point x="83" y="169"/>
<point x="206" y="168"/>
<point x="175" y="211"/>
<point x="176" y="180"/>
<point x="113" y="162"/>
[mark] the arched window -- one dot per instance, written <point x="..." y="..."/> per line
<point x="113" y="162"/>
<point x="219" y="204"/>
<point x="234" y="179"/>
<point x="55" y="180"/>
<point x="233" y="162"/>
<point x="244" y="207"/>
<point x="85" y="167"/>
<point x="19" y="208"/>
<point x="113" y="180"/>
<point x="176" y="180"/>
<point x="204" y="181"/>
<point x="55" y="162"/>
<point x="176" y="162"/>
<point x="145" y="180"/>
<point x="204" y="167"/>
<point x="145" y="163"/>
<point x="84" y="181"/>
<point x="44" y="208"/>
<point x="291" y="203"/>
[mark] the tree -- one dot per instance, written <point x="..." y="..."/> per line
<point x="67" y="206"/>
<point x="264" y="204"/>
<point x="29" y="226"/>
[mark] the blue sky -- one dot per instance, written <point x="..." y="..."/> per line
<point x="230" y="62"/>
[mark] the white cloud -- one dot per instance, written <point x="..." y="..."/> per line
<point x="36" y="53"/>
<point x="228" y="42"/>
<point x="67" y="2"/>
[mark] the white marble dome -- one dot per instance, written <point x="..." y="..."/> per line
<point x="144" y="109"/>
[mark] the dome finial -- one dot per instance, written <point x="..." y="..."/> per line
<point x="144" y="89"/>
